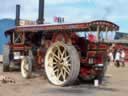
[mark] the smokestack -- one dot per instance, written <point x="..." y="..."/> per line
<point x="17" y="20"/>
<point x="41" y="12"/>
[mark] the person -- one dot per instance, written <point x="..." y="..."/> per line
<point x="123" y="57"/>
<point x="117" y="58"/>
<point x="110" y="55"/>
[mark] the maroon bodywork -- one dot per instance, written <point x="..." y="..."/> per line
<point x="67" y="33"/>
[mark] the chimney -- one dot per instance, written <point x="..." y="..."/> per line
<point x="17" y="20"/>
<point x="41" y="12"/>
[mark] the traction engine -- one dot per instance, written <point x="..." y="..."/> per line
<point x="60" y="49"/>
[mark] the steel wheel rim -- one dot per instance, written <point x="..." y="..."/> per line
<point x="25" y="68"/>
<point x="58" y="64"/>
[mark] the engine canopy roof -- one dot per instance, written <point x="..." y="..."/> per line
<point x="93" y="26"/>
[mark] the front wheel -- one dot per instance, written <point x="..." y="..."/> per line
<point x="62" y="64"/>
<point x="26" y="67"/>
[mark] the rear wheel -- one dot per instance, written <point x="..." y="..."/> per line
<point x="6" y="51"/>
<point x="62" y="64"/>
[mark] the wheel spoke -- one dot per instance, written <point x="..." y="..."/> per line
<point x="26" y="61"/>
<point x="64" y="75"/>
<point x="67" y="58"/>
<point x="54" y="66"/>
<point x="54" y="58"/>
<point x="59" y="52"/>
<point x="63" y="53"/>
<point x="57" y="74"/>
<point x="25" y="67"/>
<point x="60" y="74"/>
<point x="66" y="70"/>
<point x="26" y="70"/>
<point x="67" y="65"/>
<point x="54" y="63"/>
<point x="25" y="64"/>
<point x="56" y="70"/>
<point x="51" y="63"/>
<point x="55" y="55"/>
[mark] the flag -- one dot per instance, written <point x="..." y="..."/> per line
<point x="56" y="19"/>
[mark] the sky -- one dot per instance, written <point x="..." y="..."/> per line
<point x="72" y="10"/>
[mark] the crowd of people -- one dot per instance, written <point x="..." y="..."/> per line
<point x="117" y="56"/>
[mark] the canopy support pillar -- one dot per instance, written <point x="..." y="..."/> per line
<point x="98" y="33"/>
<point x="106" y="36"/>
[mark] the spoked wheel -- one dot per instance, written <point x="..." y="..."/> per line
<point x="26" y="67"/>
<point x="62" y="64"/>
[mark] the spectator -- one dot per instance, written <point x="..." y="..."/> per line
<point x="110" y="55"/>
<point x="117" y="58"/>
<point x="123" y="57"/>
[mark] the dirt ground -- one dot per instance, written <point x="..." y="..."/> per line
<point x="115" y="84"/>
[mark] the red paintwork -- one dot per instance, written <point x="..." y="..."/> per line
<point x="67" y="33"/>
<point x="60" y="36"/>
<point x="18" y="47"/>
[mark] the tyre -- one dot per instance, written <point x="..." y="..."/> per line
<point x="62" y="64"/>
<point x="26" y="67"/>
<point x="6" y="51"/>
